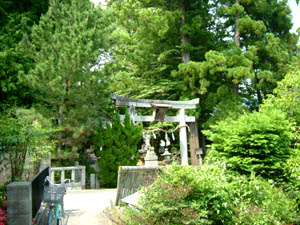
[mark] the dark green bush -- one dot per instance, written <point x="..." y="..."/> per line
<point x="209" y="195"/>
<point x="116" y="146"/>
<point x="257" y="142"/>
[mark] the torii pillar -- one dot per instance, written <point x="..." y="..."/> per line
<point x="183" y="138"/>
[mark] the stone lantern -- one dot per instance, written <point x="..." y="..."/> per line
<point x="151" y="158"/>
<point x="167" y="156"/>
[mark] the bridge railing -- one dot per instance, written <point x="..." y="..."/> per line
<point x="77" y="176"/>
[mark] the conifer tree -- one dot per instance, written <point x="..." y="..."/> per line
<point x="16" y="18"/>
<point x="65" y="47"/>
<point x="116" y="145"/>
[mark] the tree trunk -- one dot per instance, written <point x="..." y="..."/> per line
<point x="68" y="96"/>
<point x="202" y="142"/>
<point x="258" y="91"/>
<point x="259" y="97"/>
<point x="237" y="41"/>
<point x="237" y="35"/>
<point x="186" y="56"/>
<point x="59" y="123"/>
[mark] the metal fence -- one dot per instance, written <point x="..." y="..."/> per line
<point x="37" y="189"/>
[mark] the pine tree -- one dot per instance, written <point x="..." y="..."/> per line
<point x="65" y="47"/>
<point x="16" y="18"/>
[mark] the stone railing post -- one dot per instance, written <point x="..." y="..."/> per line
<point x="19" y="203"/>
<point x="83" y="176"/>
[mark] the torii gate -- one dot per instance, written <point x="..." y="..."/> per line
<point x="160" y="108"/>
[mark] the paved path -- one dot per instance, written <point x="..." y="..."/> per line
<point x="86" y="206"/>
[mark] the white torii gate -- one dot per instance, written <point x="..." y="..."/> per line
<point x="160" y="108"/>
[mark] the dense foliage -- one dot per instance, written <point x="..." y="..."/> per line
<point x="16" y="19"/>
<point x="286" y="96"/>
<point x="257" y="142"/>
<point x="116" y="145"/>
<point x="210" y="195"/>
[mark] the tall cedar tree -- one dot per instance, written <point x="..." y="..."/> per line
<point x="229" y="53"/>
<point x="152" y="38"/>
<point x="65" y="47"/>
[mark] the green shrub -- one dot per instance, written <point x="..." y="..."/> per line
<point x="261" y="203"/>
<point x="22" y="134"/>
<point x="257" y="142"/>
<point x="209" y="195"/>
<point x="116" y="146"/>
<point x="292" y="187"/>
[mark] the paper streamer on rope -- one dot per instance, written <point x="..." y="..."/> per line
<point x="154" y="135"/>
<point x="167" y="139"/>
<point x="173" y="137"/>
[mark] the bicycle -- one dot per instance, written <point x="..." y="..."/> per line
<point x="51" y="211"/>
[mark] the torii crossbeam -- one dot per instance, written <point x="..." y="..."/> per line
<point x="160" y="108"/>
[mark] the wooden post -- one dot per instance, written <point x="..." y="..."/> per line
<point x="183" y="138"/>
<point x="194" y="143"/>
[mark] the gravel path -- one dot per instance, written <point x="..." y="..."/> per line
<point x="85" y="206"/>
